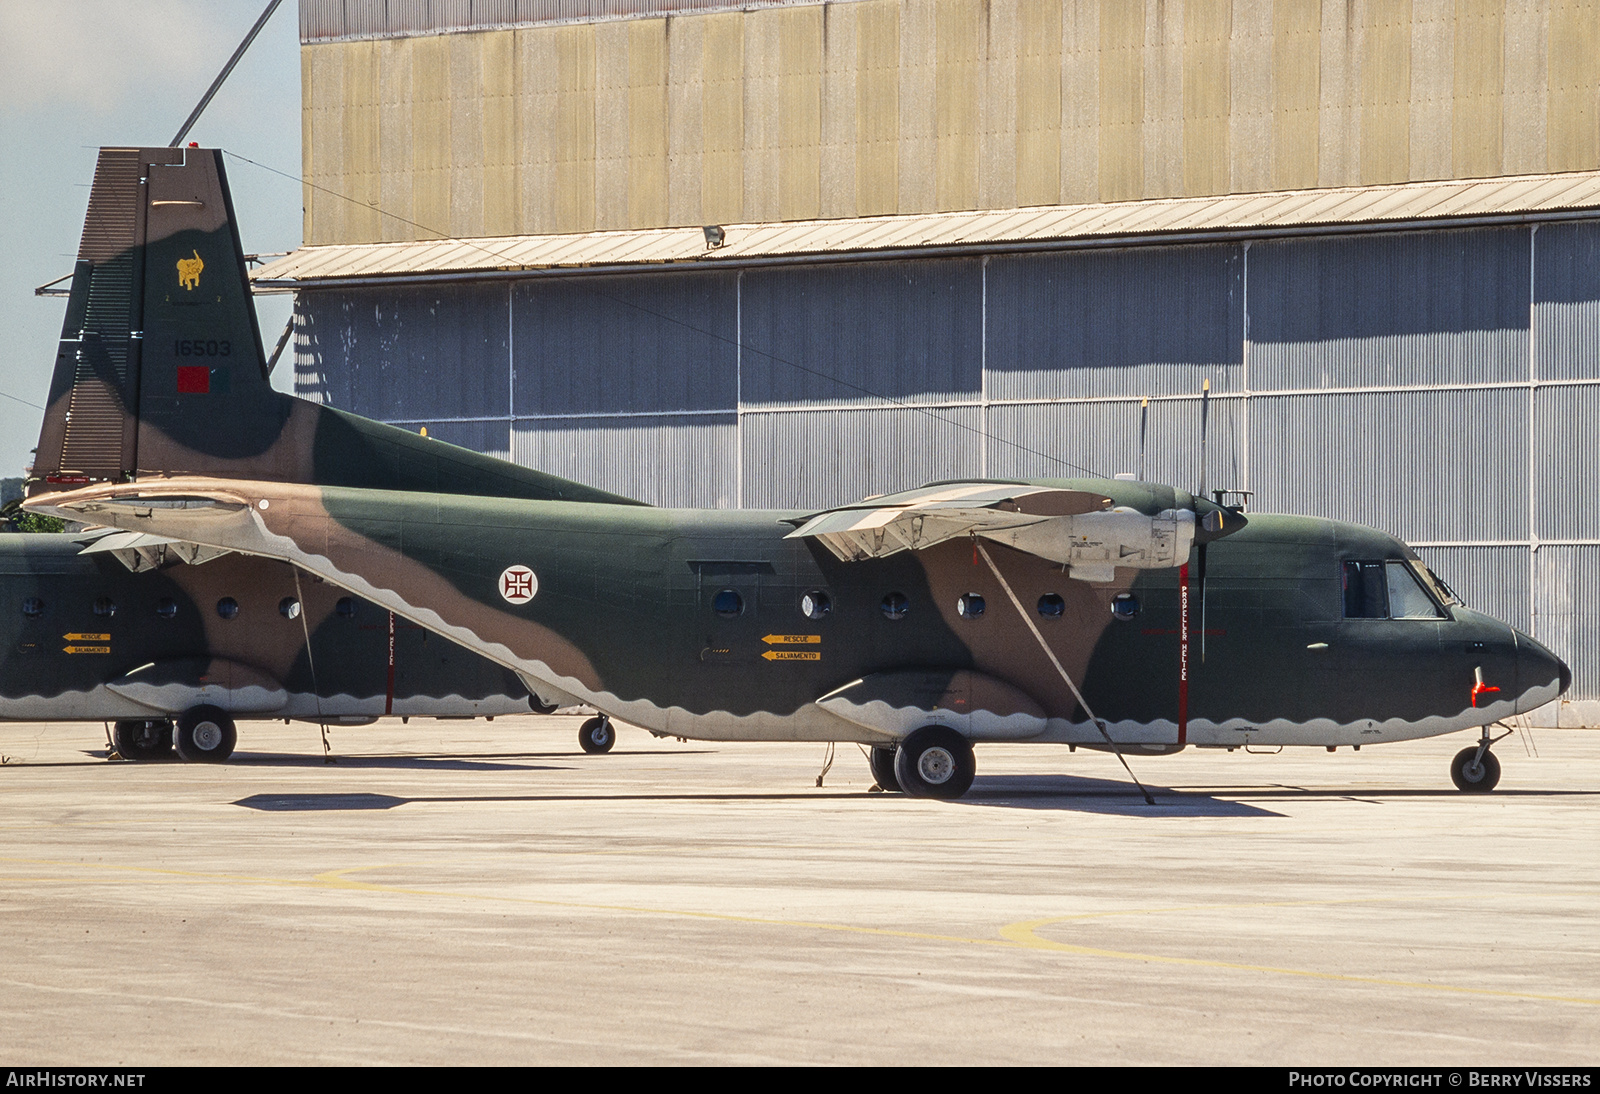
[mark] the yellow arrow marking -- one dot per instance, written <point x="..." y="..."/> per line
<point x="792" y="655"/>
<point x="792" y="639"/>
<point x="87" y="637"/>
<point x="86" y="649"/>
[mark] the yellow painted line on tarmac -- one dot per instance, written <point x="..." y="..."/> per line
<point x="1026" y="934"/>
<point x="1020" y="935"/>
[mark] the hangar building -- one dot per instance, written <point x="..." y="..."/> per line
<point x="788" y="253"/>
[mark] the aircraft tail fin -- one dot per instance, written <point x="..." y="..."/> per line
<point x="160" y="369"/>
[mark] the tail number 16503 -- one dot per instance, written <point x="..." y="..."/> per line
<point x="200" y="347"/>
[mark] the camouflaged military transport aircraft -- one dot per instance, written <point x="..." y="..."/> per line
<point x="915" y="623"/>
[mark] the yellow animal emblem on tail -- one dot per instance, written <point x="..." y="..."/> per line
<point x="189" y="271"/>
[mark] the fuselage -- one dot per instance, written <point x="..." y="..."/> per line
<point x="706" y="624"/>
<point x="85" y="638"/>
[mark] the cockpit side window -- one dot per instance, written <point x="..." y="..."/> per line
<point x="1364" y="594"/>
<point x="1386" y="590"/>
<point x="1407" y="599"/>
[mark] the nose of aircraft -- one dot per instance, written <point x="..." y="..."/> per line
<point x="1541" y="675"/>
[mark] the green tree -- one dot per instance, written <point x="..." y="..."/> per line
<point x="16" y="519"/>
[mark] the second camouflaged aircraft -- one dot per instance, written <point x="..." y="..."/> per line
<point x="917" y="623"/>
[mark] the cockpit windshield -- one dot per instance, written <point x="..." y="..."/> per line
<point x="1436" y="584"/>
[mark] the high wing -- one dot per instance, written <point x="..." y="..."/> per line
<point x="1077" y="528"/>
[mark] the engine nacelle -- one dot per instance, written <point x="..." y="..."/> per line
<point x="1093" y="545"/>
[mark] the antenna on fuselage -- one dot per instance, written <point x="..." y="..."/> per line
<point x="1144" y="421"/>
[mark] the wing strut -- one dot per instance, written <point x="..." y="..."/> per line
<point x="1056" y="661"/>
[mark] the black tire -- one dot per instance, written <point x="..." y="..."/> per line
<point x="205" y="735"/>
<point x="1471" y="777"/>
<point x="881" y="761"/>
<point x="935" y="762"/>
<point x="142" y="738"/>
<point x="597" y="735"/>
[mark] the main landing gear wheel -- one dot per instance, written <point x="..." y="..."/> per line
<point x="935" y="762"/>
<point x="881" y="761"/>
<point x="142" y="739"/>
<point x="597" y="735"/>
<point x="1472" y="775"/>
<point x="205" y="735"/>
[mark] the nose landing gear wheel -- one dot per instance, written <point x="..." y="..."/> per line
<point x="881" y="761"/>
<point x="935" y="762"/>
<point x="596" y="735"/>
<point x="1472" y="775"/>
<point x="205" y="735"/>
<point x="142" y="739"/>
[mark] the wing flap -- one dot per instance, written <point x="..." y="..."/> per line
<point x="140" y="551"/>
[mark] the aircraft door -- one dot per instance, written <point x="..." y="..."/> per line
<point x="728" y="599"/>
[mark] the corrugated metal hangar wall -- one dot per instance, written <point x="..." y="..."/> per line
<point x="1440" y="383"/>
<point x="579" y="118"/>
<point x="1434" y="384"/>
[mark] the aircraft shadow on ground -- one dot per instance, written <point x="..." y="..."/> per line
<point x="289" y="803"/>
<point x="505" y="761"/>
<point x="411" y="763"/>
<point x="502" y="761"/>
<point x="1058" y="792"/>
<point x="1080" y="794"/>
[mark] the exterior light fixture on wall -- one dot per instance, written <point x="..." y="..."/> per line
<point x="714" y="235"/>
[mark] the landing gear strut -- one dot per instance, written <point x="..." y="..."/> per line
<point x="1475" y="770"/>
<point x="596" y="735"/>
<point x="142" y="739"/>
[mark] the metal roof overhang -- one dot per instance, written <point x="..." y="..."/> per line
<point x="1517" y="199"/>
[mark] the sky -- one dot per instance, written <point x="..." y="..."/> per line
<point x="79" y="74"/>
